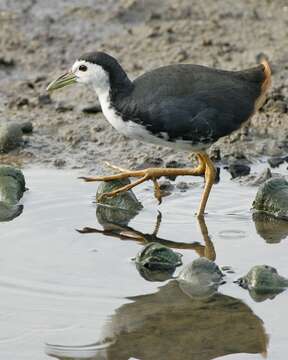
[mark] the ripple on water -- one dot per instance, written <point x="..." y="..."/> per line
<point x="55" y="290"/>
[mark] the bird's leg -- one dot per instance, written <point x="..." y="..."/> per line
<point x="147" y="174"/>
<point x="124" y="188"/>
<point x="114" y="167"/>
<point x="209" y="250"/>
<point x="210" y="174"/>
<point x="158" y="223"/>
<point x="157" y="191"/>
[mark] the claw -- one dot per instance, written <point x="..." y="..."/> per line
<point x="114" y="167"/>
<point x="205" y="166"/>
<point x="105" y="195"/>
<point x="89" y="178"/>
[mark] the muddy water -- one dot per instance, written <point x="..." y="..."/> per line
<point x="72" y="295"/>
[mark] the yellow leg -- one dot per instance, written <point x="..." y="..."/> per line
<point x="210" y="174"/>
<point x="124" y="188"/>
<point x="147" y="174"/>
<point x="209" y="250"/>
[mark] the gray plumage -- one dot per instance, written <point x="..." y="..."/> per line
<point x="184" y="102"/>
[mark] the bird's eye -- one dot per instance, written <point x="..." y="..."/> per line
<point x="82" y="67"/>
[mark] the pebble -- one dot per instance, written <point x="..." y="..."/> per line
<point x="237" y="170"/>
<point x="59" y="163"/>
<point x="94" y="109"/>
<point x="27" y="127"/>
<point x="44" y="99"/>
<point x="60" y="107"/>
<point x="275" y="161"/>
<point x="166" y="185"/>
<point x="182" y="186"/>
<point x="10" y="136"/>
<point x="150" y="162"/>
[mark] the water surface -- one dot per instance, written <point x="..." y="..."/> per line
<point x="73" y="295"/>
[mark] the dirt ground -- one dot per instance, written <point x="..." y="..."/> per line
<point x="39" y="39"/>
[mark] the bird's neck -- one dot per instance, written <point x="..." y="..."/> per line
<point x="116" y="87"/>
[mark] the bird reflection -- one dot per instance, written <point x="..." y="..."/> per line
<point x="170" y="325"/>
<point x="114" y="226"/>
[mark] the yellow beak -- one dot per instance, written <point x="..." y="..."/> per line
<point x="64" y="80"/>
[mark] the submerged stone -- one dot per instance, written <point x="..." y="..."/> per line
<point x="272" y="198"/>
<point x="12" y="187"/>
<point x="263" y="279"/>
<point x="156" y="262"/>
<point x="201" y="278"/>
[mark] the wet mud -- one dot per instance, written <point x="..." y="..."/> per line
<point x="40" y="39"/>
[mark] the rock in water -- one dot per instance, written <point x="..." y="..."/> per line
<point x="12" y="187"/>
<point x="201" y="278"/>
<point x="119" y="209"/>
<point x="263" y="279"/>
<point x="12" y="184"/>
<point x="157" y="262"/>
<point x="258" y="179"/>
<point x="272" y="198"/>
<point x="10" y="136"/>
<point x="237" y="170"/>
<point x="125" y="201"/>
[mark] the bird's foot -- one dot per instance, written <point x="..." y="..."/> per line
<point x="143" y="175"/>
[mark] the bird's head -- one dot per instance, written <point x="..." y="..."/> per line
<point x="97" y="69"/>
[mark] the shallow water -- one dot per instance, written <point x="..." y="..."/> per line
<point x="73" y="295"/>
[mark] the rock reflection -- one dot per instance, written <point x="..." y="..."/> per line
<point x="200" y="279"/>
<point x="179" y="321"/>
<point x="9" y="212"/>
<point x="171" y="325"/>
<point x="272" y="230"/>
<point x="12" y="188"/>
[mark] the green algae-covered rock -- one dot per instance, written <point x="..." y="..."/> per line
<point x="272" y="198"/>
<point x="9" y="212"/>
<point x="119" y="209"/>
<point x="201" y="278"/>
<point x="156" y="262"/>
<point x="263" y="279"/>
<point x="125" y="201"/>
<point x="12" y="184"/>
<point x="12" y="187"/>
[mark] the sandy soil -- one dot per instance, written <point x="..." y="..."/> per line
<point x="39" y="39"/>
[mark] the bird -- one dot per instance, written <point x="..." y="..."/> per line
<point x="185" y="107"/>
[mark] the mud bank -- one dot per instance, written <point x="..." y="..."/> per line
<point x="40" y="39"/>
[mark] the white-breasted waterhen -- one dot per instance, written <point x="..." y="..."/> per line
<point x="183" y="106"/>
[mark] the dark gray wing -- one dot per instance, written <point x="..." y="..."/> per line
<point x="204" y="117"/>
<point x="192" y="102"/>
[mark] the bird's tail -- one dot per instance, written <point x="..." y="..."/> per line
<point x="262" y="59"/>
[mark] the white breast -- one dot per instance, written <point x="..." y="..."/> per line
<point x="114" y="119"/>
<point x="136" y="131"/>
